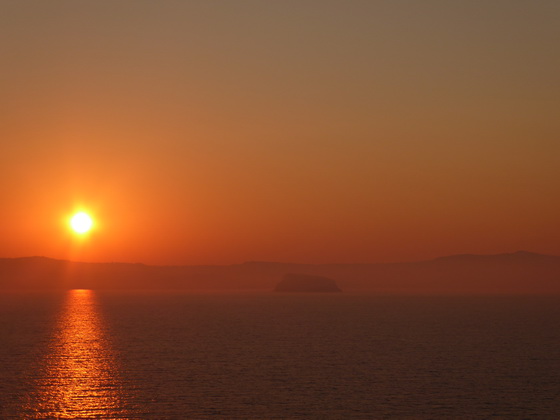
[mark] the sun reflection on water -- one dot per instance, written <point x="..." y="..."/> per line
<point x="80" y="379"/>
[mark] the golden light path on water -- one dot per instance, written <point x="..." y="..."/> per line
<point x="80" y="379"/>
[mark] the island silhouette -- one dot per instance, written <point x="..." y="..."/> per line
<point x="512" y="273"/>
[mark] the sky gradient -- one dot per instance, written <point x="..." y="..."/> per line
<point x="216" y="132"/>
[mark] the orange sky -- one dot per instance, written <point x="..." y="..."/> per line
<point x="335" y="131"/>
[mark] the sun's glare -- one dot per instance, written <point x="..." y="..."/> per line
<point x="81" y="222"/>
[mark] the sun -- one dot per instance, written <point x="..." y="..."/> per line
<point x="81" y="222"/>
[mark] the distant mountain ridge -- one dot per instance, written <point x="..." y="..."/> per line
<point x="513" y="255"/>
<point x="509" y="273"/>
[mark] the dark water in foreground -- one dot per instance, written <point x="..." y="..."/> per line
<point x="86" y="354"/>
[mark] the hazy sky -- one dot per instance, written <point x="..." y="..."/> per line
<point x="306" y="131"/>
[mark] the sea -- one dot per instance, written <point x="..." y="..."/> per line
<point x="84" y="354"/>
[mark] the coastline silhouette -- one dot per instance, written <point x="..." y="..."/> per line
<point x="514" y="273"/>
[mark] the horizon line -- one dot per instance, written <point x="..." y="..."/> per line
<point x="518" y="252"/>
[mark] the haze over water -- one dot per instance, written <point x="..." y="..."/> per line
<point x="86" y="354"/>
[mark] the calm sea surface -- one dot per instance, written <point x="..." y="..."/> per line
<point x="85" y="354"/>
